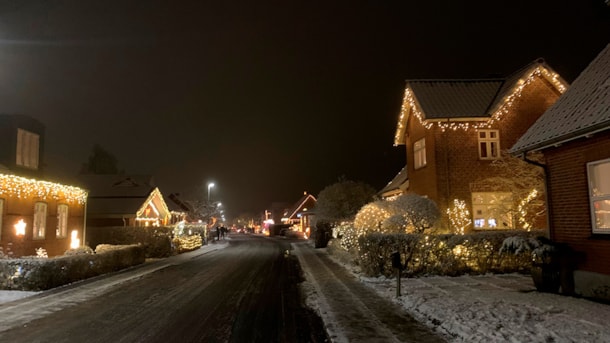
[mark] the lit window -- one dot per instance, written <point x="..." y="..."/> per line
<point x="62" y="221"/>
<point x="492" y="210"/>
<point x="40" y="220"/>
<point x="489" y="144"/>
<point x="419" y="153"/>
<point x="599" y="195"/>
<point x="27" y="149"/>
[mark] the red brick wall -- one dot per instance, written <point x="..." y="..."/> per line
<point x="422" y="181"/>
<point x="16" y="209"/>
<point x="569" y="203"/>
<point x="453" y="155"/>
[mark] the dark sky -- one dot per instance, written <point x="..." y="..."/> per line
<point x="265" y="98"/>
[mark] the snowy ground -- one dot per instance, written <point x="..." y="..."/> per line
<point x="495" y="308"/>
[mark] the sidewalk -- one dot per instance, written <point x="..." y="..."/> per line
<point x="351" y="311"/>
<point x="7" y="296"/>
<point x="481" y="308"/>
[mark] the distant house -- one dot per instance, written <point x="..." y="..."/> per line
<point x="300" y="213"/>
<point x="398" y="186"/>
<point x="454" y="129"/>
<point x="124" y="200"/>
<point x="574" y="135"/>
<point x="34" y="213"/>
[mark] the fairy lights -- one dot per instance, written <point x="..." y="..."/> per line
<point x="410" y="106"/>
<point x="22" y="188"/>
<point x="459" y="216"/>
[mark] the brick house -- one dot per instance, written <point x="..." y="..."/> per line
<point x="454" y="129"/>
<point x="574" y="136"/>
<point x="124" y="200"/>
<point x="300" y="213"/>
<point x="34" y="213"/>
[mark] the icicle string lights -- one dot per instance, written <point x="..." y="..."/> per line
<point x="22" y="188"/>
<point x="409" y="105"/>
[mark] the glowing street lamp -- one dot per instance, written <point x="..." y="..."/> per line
<point x="210" y="185"/>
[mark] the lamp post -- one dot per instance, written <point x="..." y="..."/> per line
<point x="210" y="185"/>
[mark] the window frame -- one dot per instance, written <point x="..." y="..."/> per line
<point x="488" y="142"/>
<point x="63" y="211"/>
<point x="488" y="209"/>
<point x="419" y="154"/>
<point x="39" y="223"/>
<point x="594" y="198"/>
<point x="27" y="152"/>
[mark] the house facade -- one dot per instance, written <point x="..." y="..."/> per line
<point x="574" y="136"/>
<point x="300" y="215"/>
<point x="124" y="200"/>
<point x="34" y="213"/>
<point x="454" y="129"/>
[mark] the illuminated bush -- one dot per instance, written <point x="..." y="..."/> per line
<point x="406" y="213"/>
<point x="371" y="217"/>
<point x="420" y="213"/>
<point x="449" y="254"/>
<point x="187" y="243"/>
<point x="459" y="217"/>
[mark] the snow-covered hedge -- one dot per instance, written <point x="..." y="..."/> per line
<point x="157" y="241"/>
<point x="35" y="274"/>
<point x="449" y="254"/>
<point x="186" y="243"/>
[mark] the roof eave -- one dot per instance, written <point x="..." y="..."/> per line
<point x="585" y="133"/>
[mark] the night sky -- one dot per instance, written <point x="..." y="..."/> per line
<point x="266" y="99"/>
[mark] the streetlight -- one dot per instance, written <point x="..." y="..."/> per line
<point x="210" y="185"/>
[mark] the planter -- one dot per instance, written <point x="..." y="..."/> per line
<point x="546" y="277"/>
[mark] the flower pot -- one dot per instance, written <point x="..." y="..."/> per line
<point x="546" y="277"/>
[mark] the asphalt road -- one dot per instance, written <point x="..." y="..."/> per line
<point x="246" y="292"/>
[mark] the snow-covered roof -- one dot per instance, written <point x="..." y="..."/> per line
<point x="582" y="110"/>
<point x="117" y="185"/>
<point x="300" y="205"/>
<point x="398" y="184"/>
<point x="455" y="98"/>
<point x="477" y="100"/>
<point x="117" y="194"/>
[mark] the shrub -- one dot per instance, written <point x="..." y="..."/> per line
<point x="35" y="274"/>
<point x="83" y="250"/>
<point x="157" y="241"/>
<point x="186" y="243"/>
<point x="449" y="254"/>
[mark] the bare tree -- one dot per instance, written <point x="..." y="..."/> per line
<point x="526" y="183"/>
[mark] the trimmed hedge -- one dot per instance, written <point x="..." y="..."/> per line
<point x="449" y="254"/>
<point x="157" y="241"/>
<point x="36" y="274"/>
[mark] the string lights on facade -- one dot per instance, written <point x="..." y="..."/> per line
<point x="411" y="107"/>
<point x="23" y="188"/>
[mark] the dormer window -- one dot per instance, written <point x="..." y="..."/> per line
<point x="28" y="145"/>
<point x="489" y="144"/>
